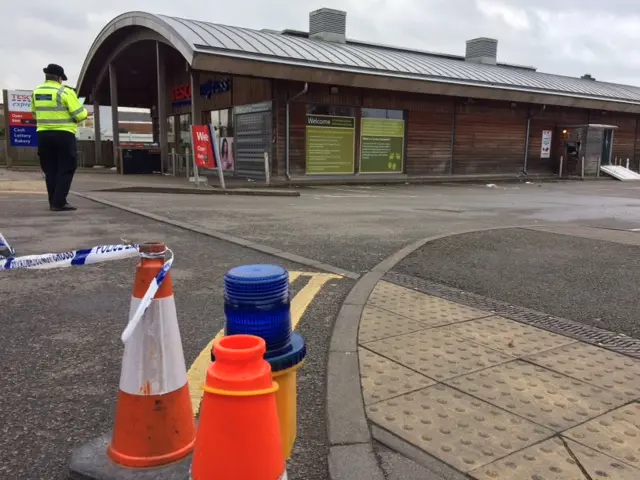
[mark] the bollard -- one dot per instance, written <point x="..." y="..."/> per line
<point x="627" y="164"/>
<point x="582" y="169"/>
<point x="257" y="302"/>
<point x="560" y="169"/>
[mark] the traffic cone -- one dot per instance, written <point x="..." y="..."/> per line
<point x="154" y="422"/>
<point x="238" y="435"/>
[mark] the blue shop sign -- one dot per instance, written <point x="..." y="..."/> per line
<point x="24" y="136"/>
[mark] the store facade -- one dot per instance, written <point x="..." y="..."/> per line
<point x="328" y="117"/>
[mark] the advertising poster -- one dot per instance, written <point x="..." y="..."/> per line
<point x="227" y="154"/>
<point x="381" y="145"/>
<point x="202" y="146"/>
<point x="545" y="151"/>
<point x="330" y="145"/>
<point x="22" y="124"/>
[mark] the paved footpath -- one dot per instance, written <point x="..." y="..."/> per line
<point x="494" y="398"/>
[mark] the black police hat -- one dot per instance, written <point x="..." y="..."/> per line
<point x="57" y="70"/>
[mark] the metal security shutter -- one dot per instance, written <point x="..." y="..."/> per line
<point x="253" y="139"/>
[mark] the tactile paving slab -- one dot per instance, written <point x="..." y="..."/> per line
<point x="382" y="379"/>
<point x="594" y="365"/>
<point x="616" y="434"/>
<point x="538" y="394"/>
<point x="427" y="309"/>
<point x="437" y="353"/>
<point x="508" y="336"/>
<point x="377" y="323"/>
<point x="461" y="430"/>
<point x="550" y="460"/>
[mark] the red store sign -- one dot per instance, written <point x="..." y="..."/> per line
<point x="20" y="119"/>
<point x="202" y="146"/>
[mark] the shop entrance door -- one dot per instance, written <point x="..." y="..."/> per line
<point x="607" y="141"/>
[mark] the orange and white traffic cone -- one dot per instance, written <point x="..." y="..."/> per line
<point x="239" y="435"/>
<point x="154" y="422"/>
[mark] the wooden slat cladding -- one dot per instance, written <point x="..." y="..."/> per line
<point x="297" y="157"/>
<point x="278" y="160"/>
<point x="406" y="101"/>
<point x="429" y="142"/>
<point x="553" y="118"/>
<point x="490" y="138"/>
<point x="247" y="90"/>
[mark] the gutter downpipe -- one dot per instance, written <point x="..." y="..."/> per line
<point x="526" y="143"/>
<point x="287" y="124"/>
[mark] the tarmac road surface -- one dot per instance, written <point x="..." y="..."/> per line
<point x="61" y="350"/>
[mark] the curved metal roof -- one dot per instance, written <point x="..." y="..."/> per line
<point x="204" y="37"/>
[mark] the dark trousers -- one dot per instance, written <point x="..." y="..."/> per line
<point x="58" y="160"/>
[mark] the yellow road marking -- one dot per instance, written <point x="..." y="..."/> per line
<point x="198" y="370"/>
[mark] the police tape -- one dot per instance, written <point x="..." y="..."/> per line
<point x="73" y="258"/>
<point x="90" y="256"/>
<point x="5" y="248"/>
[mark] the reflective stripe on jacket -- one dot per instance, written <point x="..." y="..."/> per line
<point x="56" y="107"/>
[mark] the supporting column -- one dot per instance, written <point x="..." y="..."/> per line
<point x="113" y="86"/>
<point x="163" y="134"/>
<point x="196" y="98"/>
<point x="97" y="137"/>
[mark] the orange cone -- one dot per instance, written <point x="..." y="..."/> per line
<point x="239" y="435"/>
<point x="154" y="421"/>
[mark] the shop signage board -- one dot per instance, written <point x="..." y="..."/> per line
<point x="330" y="145"/>
<point x="181" y="94"/>
<point x="22" y="124"/>
<point x="381" y="145"/>
<point x="545" y="149"/>
<point x="203" y="147"/>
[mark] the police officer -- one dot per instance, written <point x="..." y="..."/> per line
<point x="58" y="111"/>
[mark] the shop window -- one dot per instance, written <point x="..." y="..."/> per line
<point x="382" y="135"/>
<point x="382" y="113"/>
<point x="331" y="110"/>
<point x="171" y="129"/>
<point x="223" y="119"/>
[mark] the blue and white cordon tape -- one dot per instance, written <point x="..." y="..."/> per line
<point x="5" y="248"/>
<point x="88" y="256"/>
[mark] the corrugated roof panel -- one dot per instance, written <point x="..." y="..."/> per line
<point x="360" y="56"/>
<point x="181" y="28"/>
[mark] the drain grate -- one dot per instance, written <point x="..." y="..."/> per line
<point x="570" y="328"/>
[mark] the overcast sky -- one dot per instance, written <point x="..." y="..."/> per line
<point x="570" y="37"/>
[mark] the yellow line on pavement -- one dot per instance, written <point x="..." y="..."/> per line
<point x="198" y="370"/>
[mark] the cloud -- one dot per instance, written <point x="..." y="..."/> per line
<point x="572" y="37"/>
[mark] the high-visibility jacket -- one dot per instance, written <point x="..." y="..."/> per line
<point x="56" y="107"/>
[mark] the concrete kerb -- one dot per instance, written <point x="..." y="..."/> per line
<point x="204" y="191"/>
<point x="308" y="262"/>
<point x="349" y="431"/>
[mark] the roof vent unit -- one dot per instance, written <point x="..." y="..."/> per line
<point x="587" y="76"/>
<point x="328" y="25"/>
<point x="482" y="50"/>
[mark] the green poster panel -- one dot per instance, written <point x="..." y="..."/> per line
<point x="381" y="145"/>
<point x="330" y="145"/>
